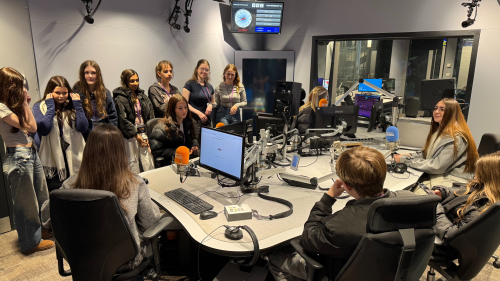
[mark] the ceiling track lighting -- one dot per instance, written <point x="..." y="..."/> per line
<point x="470" y="10"/>
<point x="175" y="16"/>
<point x="188" y="10"/>
<point x="89" y="17"/>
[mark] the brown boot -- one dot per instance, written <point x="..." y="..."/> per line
<point x="46" y="234"/>
<point x="44" y="245"/>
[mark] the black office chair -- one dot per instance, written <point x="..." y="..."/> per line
<point x="149" y="128"/>
<point x="475" y="243"/>
<point x="91" y="233"/>
<point x="397" y="245"/>
<point x="489" y="143"/>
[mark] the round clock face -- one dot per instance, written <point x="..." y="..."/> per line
<point x="242" y="18"/>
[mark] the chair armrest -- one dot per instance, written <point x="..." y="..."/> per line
<point x="159" y="159"/>
<point x="309" y="261"/>
<point x="155" y="230"/>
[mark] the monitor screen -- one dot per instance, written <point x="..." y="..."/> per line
<point x="222" y="152"/>
<point x="256" y="17"/>
<point x="365" y="104"/>
<point x="365" y="88"/>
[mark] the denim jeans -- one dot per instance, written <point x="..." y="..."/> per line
<point x="29" y="190"/>
<point x="225" y="117"/>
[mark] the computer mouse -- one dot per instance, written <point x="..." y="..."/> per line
<point x="208" y="215"/>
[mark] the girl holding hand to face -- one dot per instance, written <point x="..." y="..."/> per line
<point x="200" y="96"/>
<point x="161" y="91"/>
<point x="96" y="99"/>
<point x="134" y="111"/>
<point x="61" y="124"/>
<point x="229" y="96"/>
<point x="174" y="130"/>
<point x="21" y="164"/>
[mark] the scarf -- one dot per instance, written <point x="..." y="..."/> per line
<point x="51" y="154"/>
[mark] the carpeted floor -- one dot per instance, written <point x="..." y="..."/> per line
<point x="43" y="265"/>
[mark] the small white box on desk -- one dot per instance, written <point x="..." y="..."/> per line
<point x="237" y="213"/>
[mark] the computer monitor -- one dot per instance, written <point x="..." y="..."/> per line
<point x="256" y="17"/>
<point x="375" y="114"/>
<point x="267" y="120"/>
<point x="365" y="88"/>
<point x="365" y="104"/>
<point x="236" y="128"/>
<point x="389" y="84"/>
<point x="222" y="152"/>
<point x="330" y="117"/>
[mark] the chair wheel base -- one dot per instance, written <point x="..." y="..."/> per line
<point x="431" y="276"/>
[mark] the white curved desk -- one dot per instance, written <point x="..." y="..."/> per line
<point x="270" y="233"/>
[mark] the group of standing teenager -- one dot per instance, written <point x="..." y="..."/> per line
<point x="46" y="143"/>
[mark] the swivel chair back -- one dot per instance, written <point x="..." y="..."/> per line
<point x="91" y="233"/>
<point x="489" y="143"/>
<point x="150" y="125"/>
<point x="475" y="242"/>
<point x="398" y="243"/>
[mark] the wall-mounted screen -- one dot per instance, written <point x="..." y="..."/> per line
<point x="256" y="17"/>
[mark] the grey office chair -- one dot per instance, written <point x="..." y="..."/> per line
<point x="474" y="243"/>
<point x="149" y="128"/>
<point x="397" y="245"/>
<point x="489" y="143"/>
<point x="91" y="233"/>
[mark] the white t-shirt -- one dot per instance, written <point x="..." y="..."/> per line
<point x="11" y="139"/>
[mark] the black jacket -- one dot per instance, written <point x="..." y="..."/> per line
<point x="126" y="111"/>
<point x="304" y="120"/>
<point x="164" y="145"/>
<point x="446" y="211"/>
<point x="337" y="235"/>
<point x="159" y="105"/>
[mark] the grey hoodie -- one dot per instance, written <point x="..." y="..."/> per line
<point x="442" y="161"/>
<point x="156" y="93"/>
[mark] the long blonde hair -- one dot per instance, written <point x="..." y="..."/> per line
<point x="315" y="96"/>
<point x="236" y="76"/>
<point x="453" y="123"/>
<point x="485" y="184"/>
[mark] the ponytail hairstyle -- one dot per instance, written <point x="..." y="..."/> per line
<point x="171" y="118"/>
<point x="315" y="96"/>
<point x="100" y="90"/>
<point x="159" y="68"/>
<point x="67" y="111"/>
<point x="236" y="76"/>
<point x="486" y="184"/>
<point x="453" y="123"/>
<point x="125" y="78"/>
<point x="12" y="94"/>
<point x="195" y="72"/>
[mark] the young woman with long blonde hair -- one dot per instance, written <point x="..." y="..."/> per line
<point x="450" y="152"/>
<point x="230" y="95"/>
<point x="307" y="112"/>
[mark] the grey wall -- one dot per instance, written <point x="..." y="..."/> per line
<point x="16" y="47"/>
<point x="304" y="19"/>
<point x="131" y="34"/>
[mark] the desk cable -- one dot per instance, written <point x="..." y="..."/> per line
<point x="285" y="214"/>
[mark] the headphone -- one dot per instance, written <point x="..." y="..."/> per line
<point x="235" y="233"/>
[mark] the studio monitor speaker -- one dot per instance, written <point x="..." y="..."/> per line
<point x="412" y="105"/>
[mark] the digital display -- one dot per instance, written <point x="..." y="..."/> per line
<point x="366" y="88"/>
<point x="256" y="17"/>
<point x="365" y="104"/>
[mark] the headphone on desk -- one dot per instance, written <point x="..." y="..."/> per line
<point x="235" y="233"/>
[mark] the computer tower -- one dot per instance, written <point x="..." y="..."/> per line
<point x="287" y="98"/>
<point x="433" y="90"/>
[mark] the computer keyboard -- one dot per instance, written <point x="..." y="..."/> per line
<point x="188" y="200"/>
<point x="364" y="141"/>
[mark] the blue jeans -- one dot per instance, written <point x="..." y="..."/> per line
<point x="29" y="190"/>
<point x="225" y="117"/>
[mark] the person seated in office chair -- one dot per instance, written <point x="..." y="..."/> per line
<point x="174" y="130"/>
<point x="460" y="206"/>
<point x="450" y="152"/>
<point x="105" y="167"/>
<point x="307" y="112"/>
<point x="361" y="173"/>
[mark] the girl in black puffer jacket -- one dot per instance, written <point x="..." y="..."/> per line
<point x="134" y="110"/>
<point x="174" y="130"/>
<point x="460" y="207"/>
<point x="307" y="112"/>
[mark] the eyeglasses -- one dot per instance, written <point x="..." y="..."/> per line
<point x="205" y="70"/>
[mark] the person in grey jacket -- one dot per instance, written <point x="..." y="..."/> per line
<point x="450" y="152"/>
<point x="105" y="167"/>
<point x="460" y="206"/>
<point x="307" y="112"/>
<point x="160" y="92"/>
